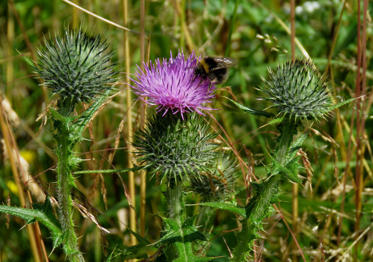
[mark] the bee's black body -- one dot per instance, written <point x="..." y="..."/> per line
<point x="213" y="68"/>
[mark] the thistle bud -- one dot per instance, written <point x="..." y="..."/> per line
<point x="76" y="66"/>
<point x="176" y="149"/>
<point x="297" y="91"/>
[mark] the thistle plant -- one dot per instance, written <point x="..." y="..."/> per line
<point x="297" y="93"/>
<point x="177" y="145"/>
<point x="76" y="68"/>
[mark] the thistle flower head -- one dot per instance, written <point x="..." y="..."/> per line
<point x="173" y="86"/>
<point x="297" y="91"/>
<point x="218" y="183"/>
<point x="76" y="66"/>
<point x="176" y="149"/>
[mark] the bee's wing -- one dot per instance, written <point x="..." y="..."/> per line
<point x="223" y="62"/>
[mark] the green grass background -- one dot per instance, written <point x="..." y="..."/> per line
<point x="254" y="34"/>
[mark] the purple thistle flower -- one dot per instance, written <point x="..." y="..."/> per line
<point x="172" y="86"/>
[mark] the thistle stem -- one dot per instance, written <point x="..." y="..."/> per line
<point x="179" y="248"/>
<point x="175" y="202"/>
<point x="257" y="208"/>
<point x="64" y="181"/>
<point x="255" y="213"/>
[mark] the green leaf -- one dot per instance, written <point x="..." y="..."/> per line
<point x="42" y="213"/>
<point x="298" y="142"/>
<point x="26" y="59"/>
<point x="294" y="147"/>
<point x="112" y="255"/>
<point x="142" y="241"/>
<point x="292" y="169"/>
<point x="342" y="103"/>
<point x="191" y="232"/>
<point x="287" y="170"/>
<point x="250" y="110"/>
<point x="275" y="121"/>
<point x="179" y="239"/>
<point x="106" y="171"/>
<point x="87" y="115"/>
<point x="59" y="117"/>
<point x="140" y="252"/>
<point x="225" y="206"/>
<point x="32" y="215"/>
<point x="47" y="209"/>
<point x="186" y="233"/>
<point x="194" y="259"/>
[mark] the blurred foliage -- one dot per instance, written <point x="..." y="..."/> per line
<point x="257" y="42"/>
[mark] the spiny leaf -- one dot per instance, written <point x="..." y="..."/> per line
<point x="26" y="59"/>
<point x="57" y="116"/>
<point x="292" y="170"/>
<point x="29" y="214"/>
<point x="179" y="239"/>
<point x="275" y="121"/>
<point x="225" y="206"/>
<point x="139" y="251"/>
<point x="194" y="259"/>
<point x="112" y="255"/>
<point x="142" y="241"/>
<point x="38" y="215"/>
<point x="186" y="233"/>
<point x="250" y="110"/>
<point x="342" y="103"/>
<point x="294" y="148"/>
<point x="47" y="209"/>
<point x="290" y="173"/>
<point x="106" y="171"/>
<point x="88" y="114"/>
<point x="298" y="142"/>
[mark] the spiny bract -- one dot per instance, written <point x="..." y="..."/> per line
<point x="297" y="91"/>
<point x="174" y="148"/>
<point x="218" y="183"/>
<point x="76" y="66"/>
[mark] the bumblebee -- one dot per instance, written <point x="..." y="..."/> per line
<point x="213" y="68"/>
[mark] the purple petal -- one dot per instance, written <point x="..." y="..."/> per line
<point x="172" y="85"/>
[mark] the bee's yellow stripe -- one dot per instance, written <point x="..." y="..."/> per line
<point x="204" y="65"/>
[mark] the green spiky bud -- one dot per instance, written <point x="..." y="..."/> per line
<point x="297" y="91"/>
<point x="176" y="149"/>
<point x="218" y="183"/>
<point x="76" y="66"/>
